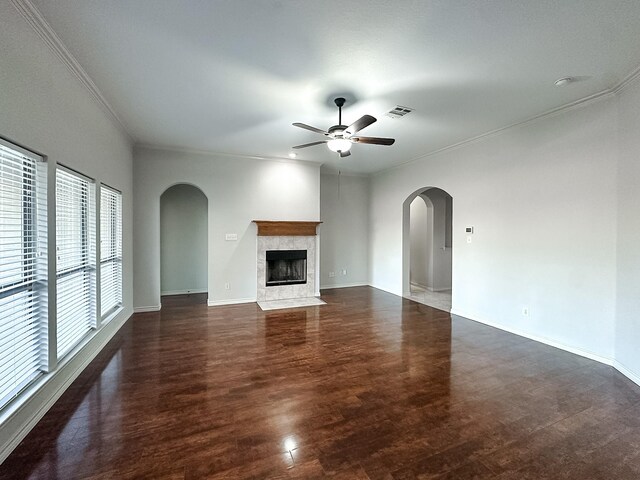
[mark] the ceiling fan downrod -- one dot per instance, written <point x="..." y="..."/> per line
<point x="339" y="103"/>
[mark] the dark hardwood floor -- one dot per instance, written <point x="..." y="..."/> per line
<point x="369" y="386"/>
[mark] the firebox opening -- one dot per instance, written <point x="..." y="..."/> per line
<point x="286" y="267"/>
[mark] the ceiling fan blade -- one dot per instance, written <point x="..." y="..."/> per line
<point x="309" y="127"/>
<point x="362" y="122"/>
<point x="345" y="154"/>
<point x="310" y="144"/>
<point x="373" y="140"/>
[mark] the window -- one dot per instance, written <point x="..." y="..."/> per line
<point x="35" y="332"/>
<point x="110" y="250"/>
<point x="23" y="269"/>
<point x="75" y="253"/>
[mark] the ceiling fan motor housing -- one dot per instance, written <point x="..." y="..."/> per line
<point x="337" y="130"/>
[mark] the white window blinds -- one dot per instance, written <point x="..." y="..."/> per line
<point x="23" y="264"/>
<point x="75" y="253"/>
<point x="110" y="250"/>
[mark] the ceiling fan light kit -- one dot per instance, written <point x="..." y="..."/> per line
<point x="340" y="137"/>
<point x="339" y="145"/>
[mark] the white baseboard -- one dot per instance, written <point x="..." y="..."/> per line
<point x="446" y="289"/>
<point x="430" y="289"/>
<point x="233" y="301"/>
<point x="153" y="308"/>
<point x="545" y="340"/>
<point x="184" y="292"/>
<point x="631" y="375"/>
<point x="343" y="285"/>
<point x="48" y="399"/>
<point x="392" y="292"/>
<point x="634" y="377"/>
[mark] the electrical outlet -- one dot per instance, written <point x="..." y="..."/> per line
<point x="344" y="271"/>
<point x="525" y="311"/>
<point x="332" y="274"/>
<point x="227" y="286"/>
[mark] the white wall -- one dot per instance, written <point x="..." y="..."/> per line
<point x="239" y="190"/>
<point x="183" y="240"/>
<point x="440" y="256"/>
<point x="421" y="233"/>
<point x="628" y="279"/>
<point x="45" y="108"/>
<point x="542" y="199"/>
<point x="344" y="211"/>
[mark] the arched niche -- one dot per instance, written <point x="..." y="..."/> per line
<point x="183" y="253"/>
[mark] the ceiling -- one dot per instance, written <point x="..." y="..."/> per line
<point x="230" y="76"/>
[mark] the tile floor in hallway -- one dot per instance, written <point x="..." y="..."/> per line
<point x="440" y="300"/>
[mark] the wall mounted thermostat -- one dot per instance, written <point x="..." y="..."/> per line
<point x="468" y="230"/>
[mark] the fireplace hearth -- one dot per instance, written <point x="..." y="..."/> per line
<point x="285" y="267"/>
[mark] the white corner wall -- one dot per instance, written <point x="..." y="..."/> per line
<point x="45" y="108"/>
<point x="344" y="211"/>
<point x="542" y="200"/>
<point x="183" y="241"/>
<point x="239" y="190"/>
<point x="628" y="265"/>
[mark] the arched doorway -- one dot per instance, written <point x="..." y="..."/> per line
<point x="427" y="247"/>
<point x="183" y="245"/>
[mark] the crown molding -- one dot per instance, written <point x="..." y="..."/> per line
<point x="548" y="114"/>
<point x="615" y="90"/>
<point x="212" y="153"/>
<point x="339" y="173"/>
<point x="627" y="81"/>
<point x="35" y="19"/>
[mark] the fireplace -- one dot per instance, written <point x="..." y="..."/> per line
<point x="297" y="275"/>
<point x="286" y="267"/>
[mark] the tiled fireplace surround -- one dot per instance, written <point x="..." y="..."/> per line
<point x="294" y="235"/>
<point x="285" y="242"/>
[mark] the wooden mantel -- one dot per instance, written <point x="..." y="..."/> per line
<point x="268" y="228"/>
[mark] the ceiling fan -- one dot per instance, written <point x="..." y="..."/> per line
<point x="342" y="137"/>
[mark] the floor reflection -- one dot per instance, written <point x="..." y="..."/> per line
<point x="369" y="385"/>
<point x="286" y="327"/>
<point x="75" y="424"/>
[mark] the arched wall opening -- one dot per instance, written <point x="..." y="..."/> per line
<point x="183" y="241"/>
<point x="427" y="246"/>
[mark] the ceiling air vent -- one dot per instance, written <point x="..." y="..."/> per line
<point x="399" y="112"/>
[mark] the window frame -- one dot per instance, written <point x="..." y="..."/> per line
<point x="89" y="217"/>
<point x="117" y="238"/>
<point x="33" y="205"/>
